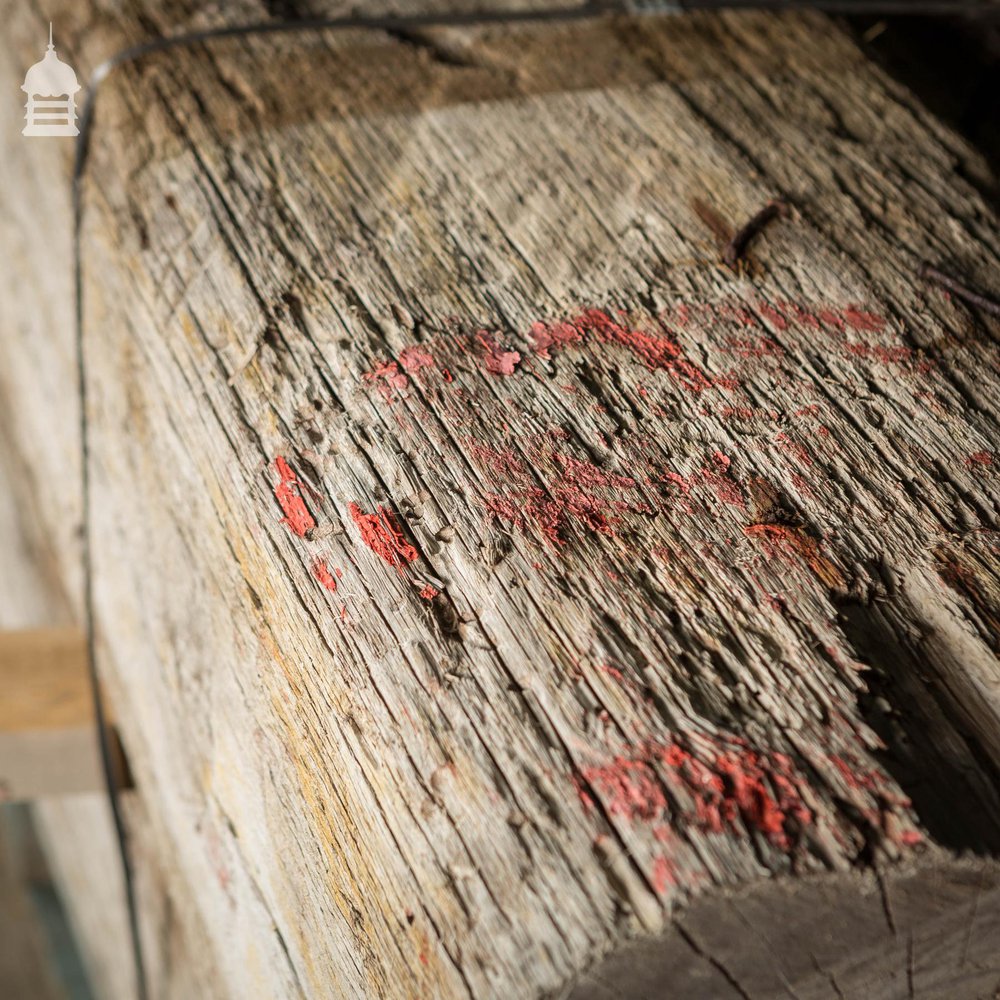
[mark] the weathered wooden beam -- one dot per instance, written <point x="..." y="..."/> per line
<point x="485" y="570"/>
<point x="48" y="737"/>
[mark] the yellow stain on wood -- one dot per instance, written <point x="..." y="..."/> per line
<point x="355" y="891"/>
<point x="807" y="548"/>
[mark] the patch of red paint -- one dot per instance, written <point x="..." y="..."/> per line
<point x="763" y="347"/>
<point x="611" y="672"/>
<point x="557" y="490"/>
<point x="656" y="351"/>
<point x="799" y="315"/>
<point x="502" y="463"/>
<point x="324" y="576"/>
<point x="736" y="312"/>
<point x="495" y="358"/>
<point x="663" y="875"/>
<point x="506" y="508"/>
<point x="382" y="535"/>
<point x="749" y="794"/>
<point x="779" y="315"/>
<point x="684" y="485"/>
<point x="801" y="485"/>
<point x="886" y="355"/>
<point x="554" y="336"/>
<point x="429" y="592"/>
<point x="858" y="319"/>
<point x="726" y="489"/>
<point x="414" y="358"/>
<point x="980" y="458"/>
<point x="629" y="788"/>
<point x="550" y="489"/>
<point x="733" y="787"/>
<point x="583" y="473"/>
<point x="773" y="316"/>
<point x="740" y="412"/>
<point x="289" y="497"/>
<point x="795" y="448"/>
<point x="387" y="377"/>
<point x="832" y="318"/>
<point x="863" y="779"/>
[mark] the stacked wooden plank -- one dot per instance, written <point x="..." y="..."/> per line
<point x="486" y="572"/>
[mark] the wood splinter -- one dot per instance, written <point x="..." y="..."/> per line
<point x="736" y="248"/>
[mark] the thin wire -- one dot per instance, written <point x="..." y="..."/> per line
<point x="110" y="760"/>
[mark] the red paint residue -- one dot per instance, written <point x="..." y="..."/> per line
<point x="573" y="490"/>
<point x="651" y="342"/>
<point x="551" y="511"/>
<point x="663" y="875"/>
<point x="628" y="788"/>
<point x="382" y="535"/>
<point x="794" y="448"/>
<point x="429" y="592"/>
<point x="414" y="358"/>
<point x="583" y="473"/>
<point x="866" y="780"/>
<point x="547" y="491"/>
<point x="726" y="489"/>
<point x="898" y="355"/>
<point x="980" y="458"/>
<point x="501" y="462"/>
<point x="324" y="576"/>
<point x="547" y="337"/>
<point x="773" y="316"/>
<point x="656" y="351"/>
<point x="684" y="485"/>
<point x="289" y="497"/>
<point x="763" y="347"/>
<point x="731" y="789"/>
<point x="496" y="360"/>
<point x="858" y="319"/>
<point x="780" y="315"/>
<point x="611" y="672"/>
<point x="387" y="377"/>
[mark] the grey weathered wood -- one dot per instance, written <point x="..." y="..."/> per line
<point x="774" y="524"/>
<point x="821" y="938"/>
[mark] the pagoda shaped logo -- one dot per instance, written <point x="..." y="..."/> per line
<point x="51" y="87"/>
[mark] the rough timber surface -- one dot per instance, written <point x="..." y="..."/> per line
<point x="484" y="571"/>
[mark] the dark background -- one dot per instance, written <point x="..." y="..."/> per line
<point x="952" y="63"/>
